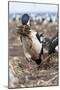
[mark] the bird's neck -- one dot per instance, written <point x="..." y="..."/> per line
<point x="24" y="30"/>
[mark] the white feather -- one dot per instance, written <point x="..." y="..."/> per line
<point x="57" y="49"/>
<point x="35" y="42"/>
<point x="36" y="46"/>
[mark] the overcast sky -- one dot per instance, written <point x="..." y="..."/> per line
<point x="16" y="7"/>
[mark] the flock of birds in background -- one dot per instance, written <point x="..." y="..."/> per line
<point x="40" y="19"/>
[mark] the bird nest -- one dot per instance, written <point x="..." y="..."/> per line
<point x="44" y="75"/>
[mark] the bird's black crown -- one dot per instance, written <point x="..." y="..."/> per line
<point x="25" y="19"/>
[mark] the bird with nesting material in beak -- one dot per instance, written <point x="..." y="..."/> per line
<point x="31" y="40"/>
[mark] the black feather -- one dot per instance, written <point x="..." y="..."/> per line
<point x="53" y="43"/>
<point x="38" y="36"/>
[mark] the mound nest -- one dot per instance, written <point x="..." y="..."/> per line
<point x="22" y="76"/>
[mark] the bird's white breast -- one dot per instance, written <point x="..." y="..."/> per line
<point x="35" y="50"/>
<point x="35" y="42"/>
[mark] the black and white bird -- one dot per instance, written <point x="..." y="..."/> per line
<point x="52" y="44"/>
<point x="31" y="41"/>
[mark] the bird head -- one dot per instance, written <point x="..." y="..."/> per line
<point x="25" y="19"/>
<point x="24" y="29"/>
